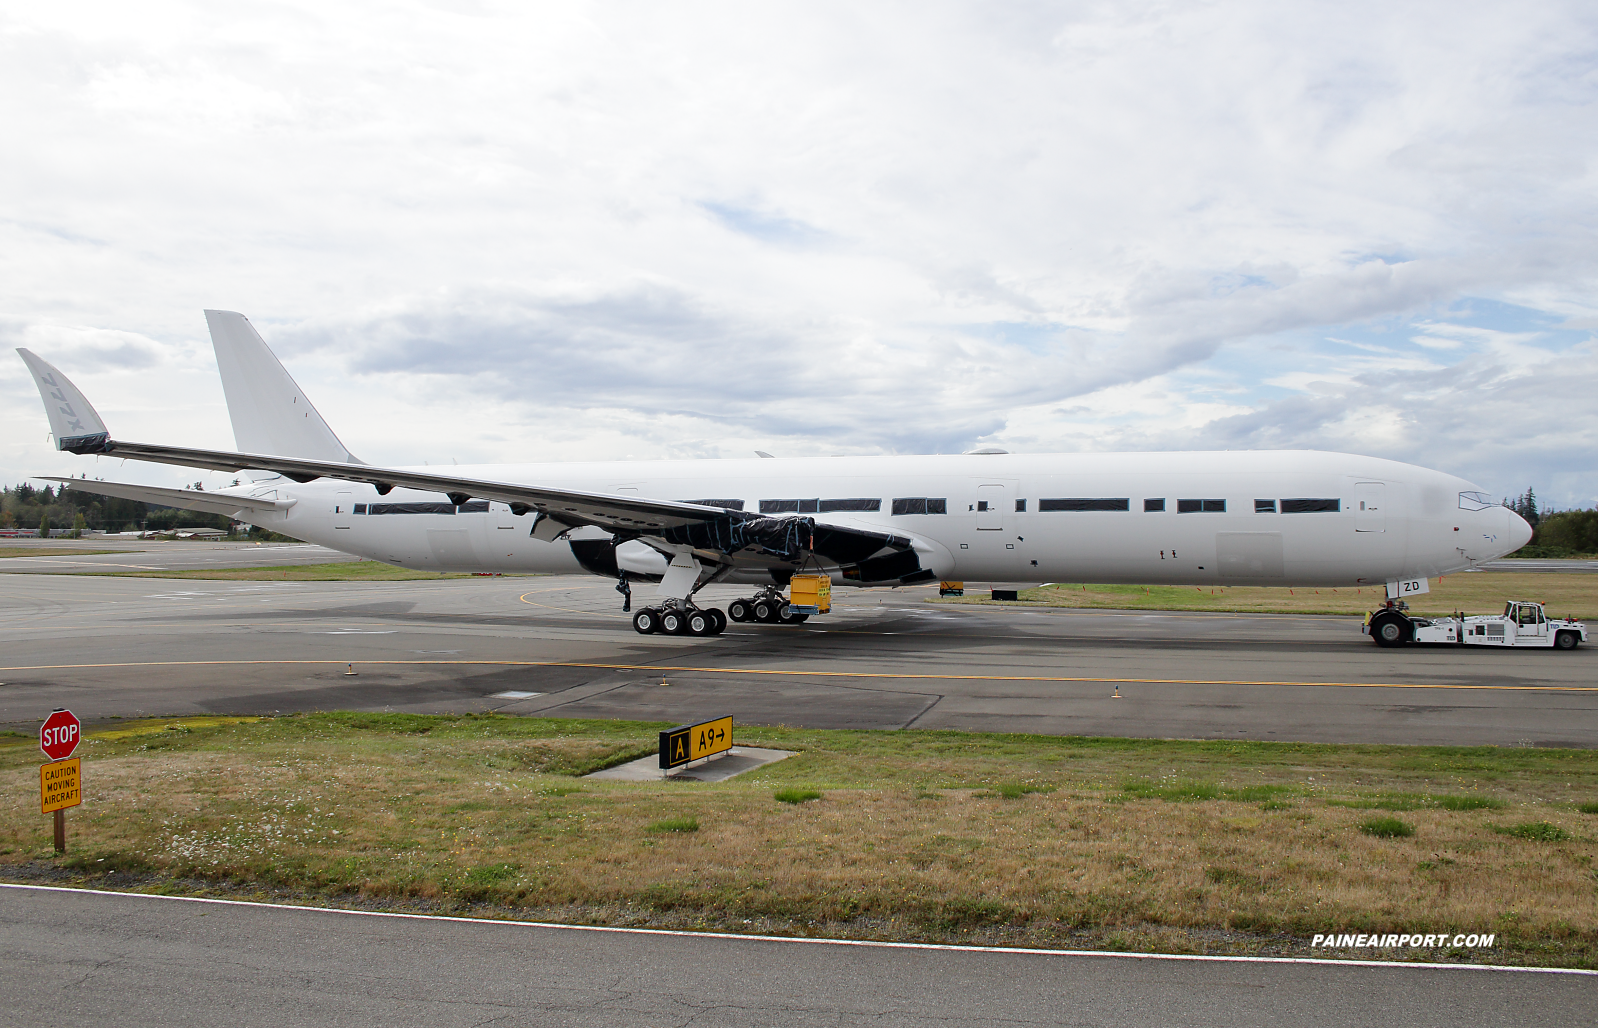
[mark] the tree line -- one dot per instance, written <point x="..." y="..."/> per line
<point x="73" y="510"/>
<point x="1555" y="533"/>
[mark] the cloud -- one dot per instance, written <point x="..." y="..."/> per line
<point x="633" y="230"/>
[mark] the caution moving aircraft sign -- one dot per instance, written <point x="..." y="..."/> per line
<point x="688" y="743"/>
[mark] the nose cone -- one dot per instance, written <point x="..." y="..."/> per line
<point x="1519" y="531"/>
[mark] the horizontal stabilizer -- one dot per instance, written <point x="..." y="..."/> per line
<point x="189" y="499"/>
<point x="270" y="412"/>
<point x="73" y="421"/>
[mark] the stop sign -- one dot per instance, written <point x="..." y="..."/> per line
<point x="59" y="734"/>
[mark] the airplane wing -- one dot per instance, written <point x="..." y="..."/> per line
<point x="713" y="532"/>
<point x="226" y="504"/>
<point x="717" y="536"/>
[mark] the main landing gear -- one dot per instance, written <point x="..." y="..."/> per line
<point x="674" y="619"/>
<point x="769" y="608"/>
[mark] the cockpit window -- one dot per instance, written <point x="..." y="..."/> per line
<point x="1476" y="501"/>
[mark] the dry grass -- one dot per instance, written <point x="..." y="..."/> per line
<point x="1483" y="592"/>
<point x="1226" y="847"/>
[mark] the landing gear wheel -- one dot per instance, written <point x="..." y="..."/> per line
<point x="738" y="610"/>
<point x="1389" y="631"/>
<point x="1566" y="641"/>
<point x="700" y="622"/>
<point x="646" y="621"/>
<point x="765" y="612"/>
<point x="721" y="621"/>
<point x="672" y="622"/>
<point x="788" y="616"/>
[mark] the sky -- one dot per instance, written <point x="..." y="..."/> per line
<point x="485" y="232"/>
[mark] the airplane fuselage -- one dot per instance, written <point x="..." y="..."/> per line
<point x="1285" y="518"/>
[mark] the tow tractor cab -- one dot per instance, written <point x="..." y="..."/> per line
<point x="1523" y="623"/>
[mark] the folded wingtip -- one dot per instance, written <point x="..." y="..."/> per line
<point x="73" y="420"/>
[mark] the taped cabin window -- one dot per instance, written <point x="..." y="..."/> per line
<point x="858" y="503"/>
<point x="1085" y="503"/>
<point x="1267" y="506"/>
<point x="1154" y="506"/>
<point x="360" y="508"/>
<point x="723" y="504"/>
<point x="474" y="507"/>
<point x="920" y="505"/>
<point x="1201" y="506"/>
<point x="410" y="508"/>
<point x="1020" y="506"/>
<point x="1303" y="505"/>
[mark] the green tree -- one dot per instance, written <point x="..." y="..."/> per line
<point x="1569" y="531"/>
<point x="1526" y="506"/>
<point x="78" y="525"/>
<point x="44" y="527"/>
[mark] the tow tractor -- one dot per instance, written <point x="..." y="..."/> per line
<point x="1523" y="623"/>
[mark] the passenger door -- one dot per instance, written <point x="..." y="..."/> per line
<point x="343" y="503"/>
<point x="990" y="506"/>
<point x="993" y="554"/>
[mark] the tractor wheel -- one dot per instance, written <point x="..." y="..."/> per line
<point x="1390" y="631"/>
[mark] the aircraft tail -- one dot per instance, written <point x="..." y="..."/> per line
<point x="73" y="421"/>
<point x="270" y="413"/>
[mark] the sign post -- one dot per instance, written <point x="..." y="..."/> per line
<point x="61" y="780"/>
<point x="688" y="743"/>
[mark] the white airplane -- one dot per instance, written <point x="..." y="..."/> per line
<point x="1274" y="517"/>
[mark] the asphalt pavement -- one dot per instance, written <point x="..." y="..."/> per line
<point x="72" y="957"/>
<point x="72" y="556"/>
<point x="561" y="646"/>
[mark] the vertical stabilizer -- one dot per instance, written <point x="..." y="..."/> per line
<point x="270" y="412"/>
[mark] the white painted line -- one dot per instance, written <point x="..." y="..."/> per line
<point x="869" y="944"/>
<point x="513" y="695"/>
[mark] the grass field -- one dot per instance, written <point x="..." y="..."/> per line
<point x="1477" y="592"/>
<point x="347" y="571"/>
<point x="945" y="836"/>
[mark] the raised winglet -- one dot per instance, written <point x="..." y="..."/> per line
<point x="270" y="412"/>
<point x="77" y="428"/>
